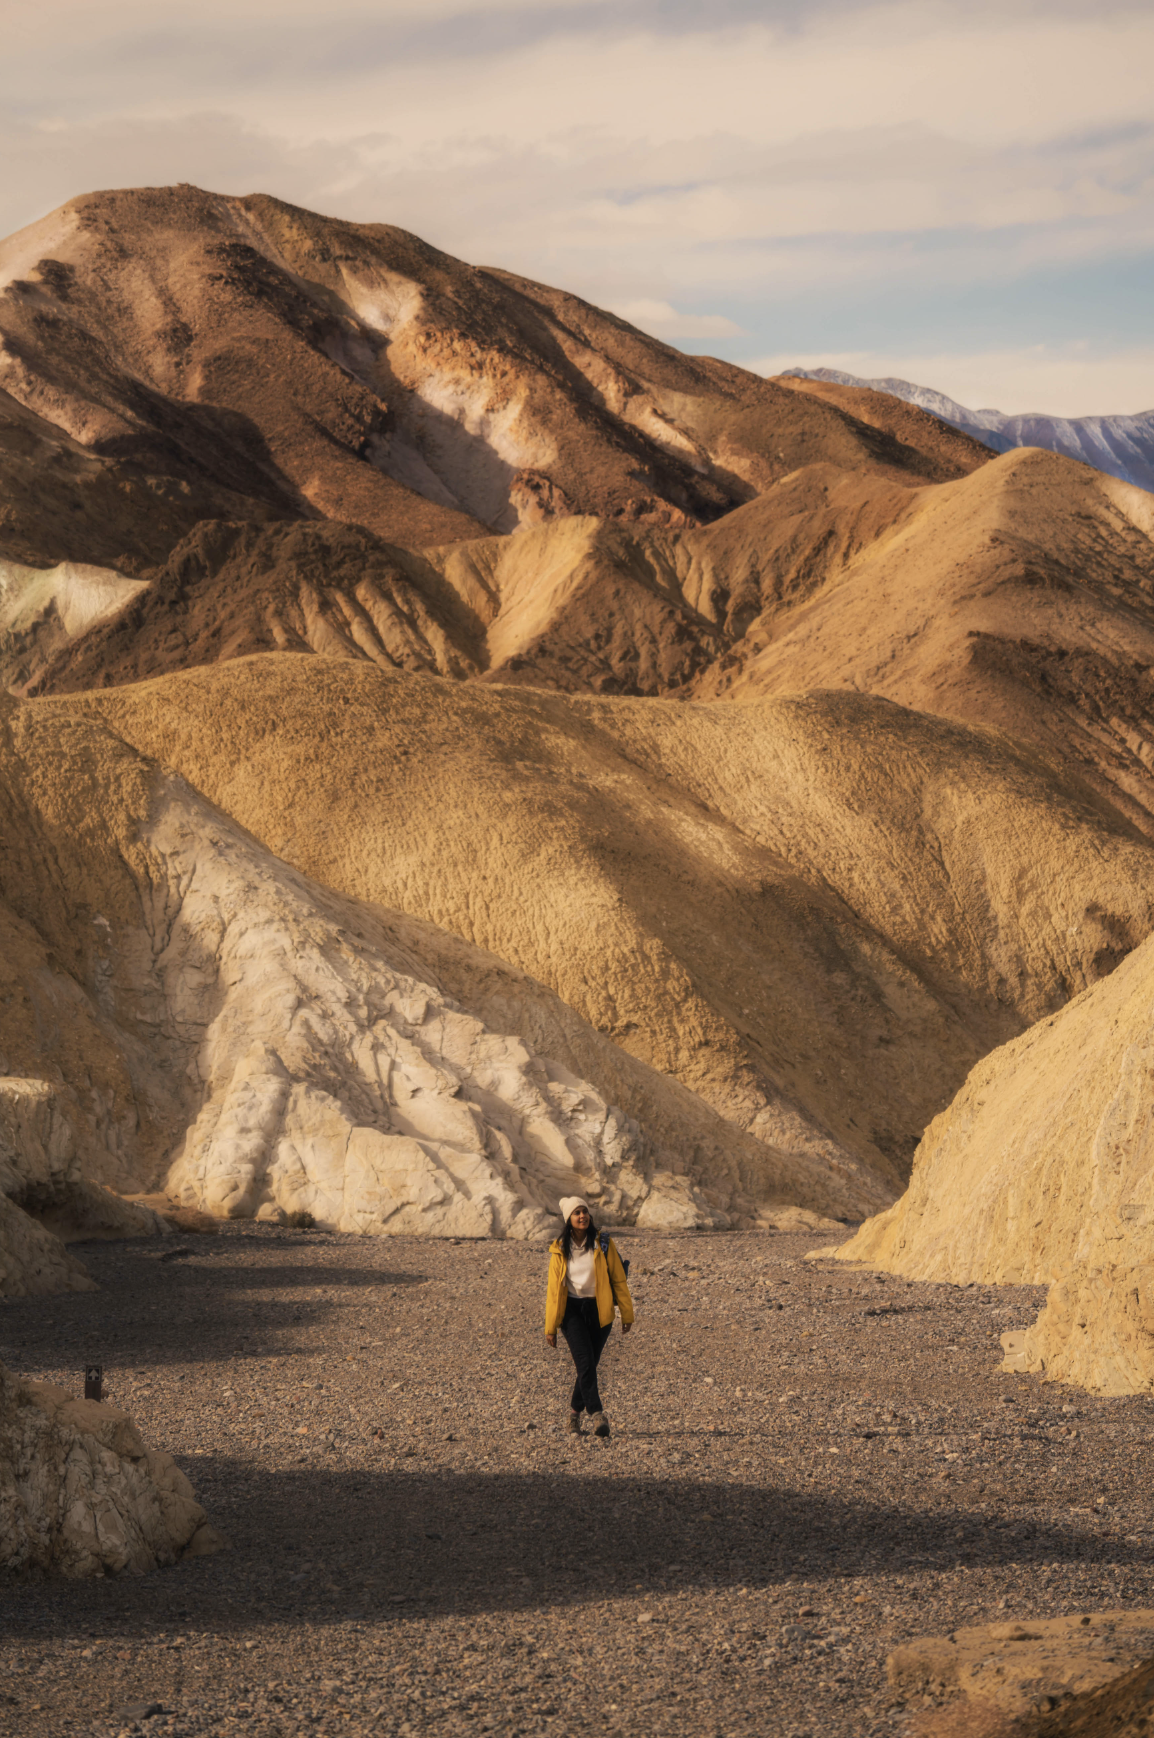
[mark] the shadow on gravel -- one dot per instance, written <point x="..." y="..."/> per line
<point x="189" y="1309"/>
<point x="339" y="1546"/>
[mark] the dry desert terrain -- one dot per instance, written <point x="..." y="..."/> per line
<point x="809" y="1467"/>
<point x="456" y="752"/>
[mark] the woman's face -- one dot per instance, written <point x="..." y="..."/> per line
<point x="579" y="1220"/>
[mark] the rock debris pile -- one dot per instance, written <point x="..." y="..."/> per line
<point x="80" y="1495"/>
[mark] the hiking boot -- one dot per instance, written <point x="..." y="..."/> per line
<point x="575" y="1424"/>
<point x="602" y="1424"/>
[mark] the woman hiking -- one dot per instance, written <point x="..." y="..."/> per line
<point x="586" y="1279"/>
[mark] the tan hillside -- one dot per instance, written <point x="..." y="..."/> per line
<point x="1020" y="596"/>
<point x="815" y="913"/>
<point x="773" y="922"/>
<point x="575" y="605"/>
<point x="172" y="358"/>
<point x="582" y="604"/>
<point x="1039" y="1172"/>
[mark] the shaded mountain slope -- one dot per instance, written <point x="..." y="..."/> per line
<point x="873" y="402"/>
<point x="815" y="913"/>
<point x="354" y="372"/>
<point x="231" y="588"/>
<point x="63" y="501"/>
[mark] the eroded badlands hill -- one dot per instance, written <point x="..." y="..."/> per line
<point x="170" y="358"/>
<point x="1021" y="596"/>
<point x="814" y="913"/>
<point x="206" y="1020"/>
<point x="231" y="426"/>
<point x="584" y="761"/>
<point x="329" y="369"/>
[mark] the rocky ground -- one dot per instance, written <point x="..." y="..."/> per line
<point x="809" y="1465"/>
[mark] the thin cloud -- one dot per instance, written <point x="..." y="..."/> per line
<point x="665" y="321"/>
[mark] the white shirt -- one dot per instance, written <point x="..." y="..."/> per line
<point x="579" y="1276"/>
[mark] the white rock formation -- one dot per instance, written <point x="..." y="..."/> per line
<point x="334" y="1083"/>
<point x="264" y="1046"/>
<point x="80" y="1495"/>
<point x="42" y="1192"/>
<point x="42" y="608"/>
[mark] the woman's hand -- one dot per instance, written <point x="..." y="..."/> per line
<point x="625" y="1327"/>
<point x="551" y="1340"/>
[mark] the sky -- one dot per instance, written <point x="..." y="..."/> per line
<point x="959" y="194"/>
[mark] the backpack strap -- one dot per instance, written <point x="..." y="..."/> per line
<point x="603" y="1240"/>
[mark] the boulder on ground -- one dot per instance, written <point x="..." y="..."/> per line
<point x="796" y="1219"/>
<point x="80" y="1495"/>
<point x="33" y="1261"/>
<point x="1120" y="1708"/>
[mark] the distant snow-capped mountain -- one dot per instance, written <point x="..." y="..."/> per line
<point x="1122" y="446"/>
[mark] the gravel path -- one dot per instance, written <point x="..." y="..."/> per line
<point x="809" y="1464"/>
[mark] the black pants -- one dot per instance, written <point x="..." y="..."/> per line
<point x="586" y="1339"/>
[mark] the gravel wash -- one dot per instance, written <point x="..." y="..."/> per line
<point x="809" y="1464"/>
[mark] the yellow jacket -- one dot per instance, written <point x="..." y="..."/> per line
<point x="609" y="1277"/>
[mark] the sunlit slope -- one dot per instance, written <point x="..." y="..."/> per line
<point x="187" y="378"/>
<point x="817" y="913"/>
<point x="1018" y="597"/>
<point x="1021" y="596"/>
<point x="1039" y="1172"/>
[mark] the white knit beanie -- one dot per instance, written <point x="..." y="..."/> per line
<point x="569" y="1204"/>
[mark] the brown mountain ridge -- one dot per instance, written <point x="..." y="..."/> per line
<point x="682" y="526"/>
